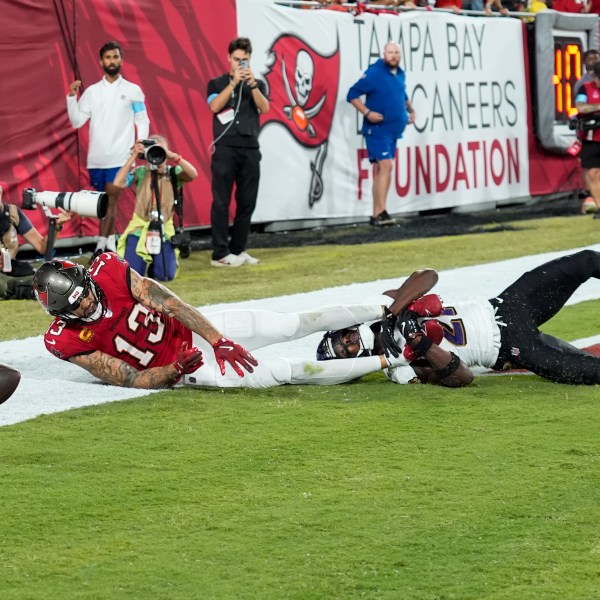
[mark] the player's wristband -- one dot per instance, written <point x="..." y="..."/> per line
<point x="421" y="347"/>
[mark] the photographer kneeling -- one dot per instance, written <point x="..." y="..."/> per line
<point x="146" y="239"/>
<point x="16" y="275"/>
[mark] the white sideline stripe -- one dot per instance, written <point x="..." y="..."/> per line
<point x="49" y="385"/>
<point x="587" y="342"/>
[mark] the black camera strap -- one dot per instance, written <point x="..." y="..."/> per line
<point x="182" y="239"/>
<point x="161" y="227"/>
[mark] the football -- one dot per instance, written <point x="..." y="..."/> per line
<point x="9" y="381"/>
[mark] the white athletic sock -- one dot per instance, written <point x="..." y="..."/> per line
<point x="111" y="243"/>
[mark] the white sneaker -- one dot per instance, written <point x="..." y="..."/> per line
<point x="589" y="206"/>
<point x="249" y="260"/>
<point x="231" y="260"/>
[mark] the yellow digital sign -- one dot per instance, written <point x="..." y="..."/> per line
<point x="568" y="62"/>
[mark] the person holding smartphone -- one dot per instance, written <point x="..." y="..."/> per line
<point x="237" y="99"/>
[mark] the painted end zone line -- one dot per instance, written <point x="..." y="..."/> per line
<point x="49" y="385"/>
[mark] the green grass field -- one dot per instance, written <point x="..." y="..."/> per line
<point x="366" y="490"/>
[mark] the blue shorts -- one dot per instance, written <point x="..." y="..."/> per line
<point x="381" y="147"/>
<point x="100" y="177"/>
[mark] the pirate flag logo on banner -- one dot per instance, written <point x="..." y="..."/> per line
<point x="302" y="89"/>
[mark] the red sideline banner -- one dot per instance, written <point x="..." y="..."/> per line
<point x="171" y="49"/>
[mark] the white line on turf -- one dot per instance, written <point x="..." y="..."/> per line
<point x="49" y="385"/>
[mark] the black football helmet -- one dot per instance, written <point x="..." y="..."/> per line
<point x="61" y="285"/>
<point x="335" y="343"/>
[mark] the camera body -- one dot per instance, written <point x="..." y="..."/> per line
<point x="182" y="240"/>
<point x="154" y="153"/>
<point x="585" y="122"/>
<point x="86" y="203"/>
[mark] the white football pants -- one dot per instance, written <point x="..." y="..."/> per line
<point x="259" y="328"/>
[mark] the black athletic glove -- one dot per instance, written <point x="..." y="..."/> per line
<point x="408" y="325"/>
<point x="386" y="337"/>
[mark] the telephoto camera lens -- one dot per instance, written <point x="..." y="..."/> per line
<point x="156" y="155"/>
<point x="85" y="203"/>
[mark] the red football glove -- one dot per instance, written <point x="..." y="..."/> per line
<point x="226" y="350"/>
<point x="433" y="330"/>
<point x="188" y="359"/>
<point x="427" y="306"/>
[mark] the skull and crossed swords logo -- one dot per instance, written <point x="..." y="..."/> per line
<point x="297" y="111"/>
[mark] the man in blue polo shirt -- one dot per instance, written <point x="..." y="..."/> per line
<point x="387" y="110"/>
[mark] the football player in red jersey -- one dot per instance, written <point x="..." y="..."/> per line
<point x="110" y="311"/>
<point x="131" y="331"/>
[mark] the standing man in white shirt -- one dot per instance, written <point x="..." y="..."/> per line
<point x="114" y="107"/>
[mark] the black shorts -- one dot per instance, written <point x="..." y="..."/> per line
<point x="590" y="155"/>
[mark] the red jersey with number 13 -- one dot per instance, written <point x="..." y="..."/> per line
<point x="129" y="330"/>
